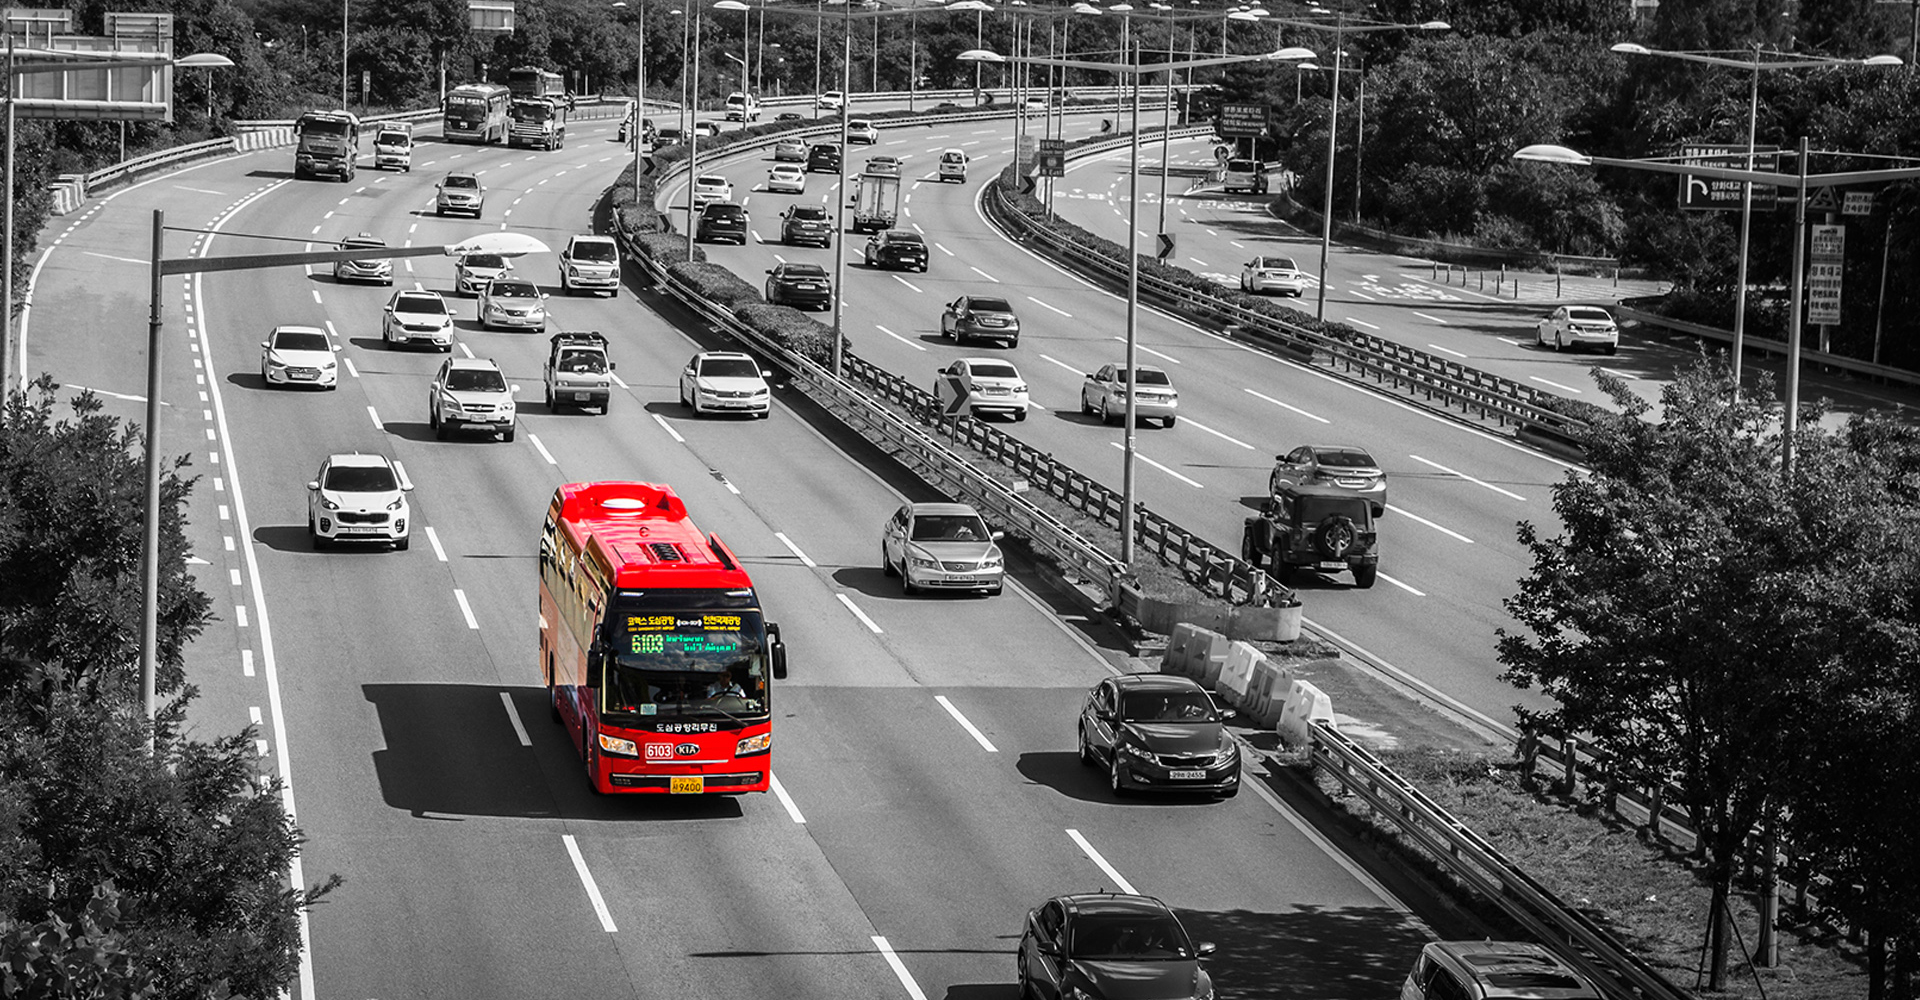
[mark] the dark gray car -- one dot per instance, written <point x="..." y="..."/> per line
<point x="1109" y="946"/>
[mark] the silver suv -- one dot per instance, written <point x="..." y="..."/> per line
<point x="460" y="192"/>
<point x="578" y="372"/>
<point x="470" y="392"/>
<point x="591" y="263"/>
<point x="1493" y="970"/>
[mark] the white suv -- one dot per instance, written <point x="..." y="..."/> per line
<point x="591" y="263"/>
<point x="470" y="392"/>
<point x="358" y="498"/>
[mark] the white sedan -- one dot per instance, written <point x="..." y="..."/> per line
<point x="787" y="178"/>
<point x="982" y="385"/>
<point x="1578" y="326"/>
<point x="1273" y="274"/>
<point x="711" y="187"/>
<point x="298" y="355"/>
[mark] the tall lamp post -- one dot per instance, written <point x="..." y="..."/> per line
<point x="1340" y="28"/>
<point x="639" y="131"/>
<point x="1756" y="61"/>
<point x="1799" y="182"/>
<point x="1133" y="71"/>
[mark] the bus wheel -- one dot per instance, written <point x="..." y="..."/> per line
<point x="553" y="704"/>
<point x="593" y="763"/>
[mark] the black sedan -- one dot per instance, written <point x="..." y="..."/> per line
<point x="804" y="286"/>
<point x="1108" y="946"/>
<point x="1159" y="732"/>
<point x="897" y="249"/>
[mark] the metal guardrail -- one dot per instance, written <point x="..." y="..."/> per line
<point x="1377" y="359"/>
<point x="1900" y="376"/>
<point x="1473" y="860"/>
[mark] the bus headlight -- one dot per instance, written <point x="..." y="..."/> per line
<point x="614" y="744"/>
<point x="753" y="745"/>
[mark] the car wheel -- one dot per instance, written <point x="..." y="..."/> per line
<point x="400" y="544"/>
<point x="1106" y="413"/>
<point x="547" y="391"/>
<point x="1559" y="344"/>
<point x="1539" y="336"/>
<point x="1170" y="420"/>
<point x="1364" y="575"/>
<point x="507" y="435"/>
<point x="440" y="429"/>
<point x="886" y="567"/>
<point x="433" y="417"/>
<point x="906" y="582"/>
<point x="1087" y="756"/>
<point x="1086" y="408"/>
<point x="1613" y="348"/>
<point x="313" y="533"/>
<point x="591" y="762"/>
<point x="553" y="703"/>
<point x="1115" y="782"/>
<point x="684" y="402"/>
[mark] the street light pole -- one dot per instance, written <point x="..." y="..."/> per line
<point x="343" y="55"/>
<point x="692" y="107"/>
<point x="1790" y="417"/>
<point x="1326" y="205"/>
<point x="840" y="192"/>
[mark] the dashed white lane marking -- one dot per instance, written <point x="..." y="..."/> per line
<point x="513" y="716"/>
<point x="1157" y="465"/>
<point x="1361" y="322"/>
<point x="1402" y="586"/>
<point x="1148" y="350"/>
<point x="1433" y="319"/>
<point x="795" y="549"/>
<point x="1554" y="384"/>
<point x="903" y="340"/>
<point x="1043" y="305"/>
<point x="978" y="736"/>
<point x="1443" y="530"/>
<point x="899" y="968"/>
<point x="1447" y="350"/>
<point x="915" y="288"/>
<point x="246" y="662"/>
<point x="1462" y="475"/>
<point x="466" y="610"/>
<point x="351" y="370"/>
<point x="1118" y="879"/>
<point x="375" y="414"/>
<point x="662" y="421"/>
<point x="586" y="879"/>
<point x="541" y="448"/>
<point x="983" y="274"/>
<point x="780" y="792"/>
<point x="857" y="613"/>
<point x="1197" y="425"/>
<point x="433" y="539"/>
<point x="1077" y="373"/>
<point x="1286" y="406"/>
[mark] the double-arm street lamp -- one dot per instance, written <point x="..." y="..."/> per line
<point x="1133" y="71"/>
<point x="1755" y="61"/>
<point x="1799" y="181"/>
<point x="1340" y="27"/>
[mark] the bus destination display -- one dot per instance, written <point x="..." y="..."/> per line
<point x="693" y="634"/>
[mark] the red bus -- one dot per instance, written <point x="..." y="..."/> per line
<point x="652" y="645"/>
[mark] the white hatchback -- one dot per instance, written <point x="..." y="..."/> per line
<point x="862" y="130"/>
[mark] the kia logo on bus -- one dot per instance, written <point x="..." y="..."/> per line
<point x="687" y="749"/>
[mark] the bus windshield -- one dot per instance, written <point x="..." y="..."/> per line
<point x="689" y="664"/>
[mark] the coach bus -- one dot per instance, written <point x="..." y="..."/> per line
<point x="533" y="83"/>
<point x="655" y="653"/>
<point x="476" y="112"/>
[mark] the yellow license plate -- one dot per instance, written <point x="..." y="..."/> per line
<point x="687" y="785"/>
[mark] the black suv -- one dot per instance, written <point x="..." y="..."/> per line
<point x="1317" y="527"/>
<point x="806" y="224"/>
<point x="723" y="220"/>
<point x="823" y="158"/>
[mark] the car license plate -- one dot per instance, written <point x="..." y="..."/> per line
<point x="1186" y="775"/>
<point x="1334" y="566"/>
<point x="580" y="396"/>
<point x="358" y="530"/>
<point x="692" y="784"/>
<point x="306" y="375"/>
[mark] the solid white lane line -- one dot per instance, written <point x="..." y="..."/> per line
<point x="903" y="340"/>
<point x="513" y="716"/>
<point x="1462" y="475"/>
<point x="1447" y="350"/>
<point x="1430" y="524"/>
<point x="1435" y="319"/>
<point x="541" y="448"/>
<point x="1197" y="425"/>
<point x="466" y="609"/>
<point x="1361" y="322"/>
<point x="586" y="879"/>
<point x="978" y="736"/>
<point x="899" y="968"/>
<point x="1118" y="879"/>
<point x="780" y="792"/>
<point x="795" y="549"/>
<point x="433" y="539"/>
<point x="1285" y="406"/>
<point x="1397" y="583"/>
<point x="662" y="421"/>
<point x="1556" y="385"/>
<point x="1157" y="465"/>
<point x="1043" y="305"/>
<point x="857" y="613"/>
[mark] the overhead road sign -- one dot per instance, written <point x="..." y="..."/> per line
<point x="125" y="75"/>
<point x="1857" y="203"/>
<point x="1249" y="120"/>
<point x="1703" y="194"/>
<point x="490" y="16"/>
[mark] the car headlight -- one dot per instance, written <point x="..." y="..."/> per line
<point x="753" y="744"/>
<point x="616" y="745"/>
<point x="400" y="504"/>
<point x="757" y="393"/>
<point x="273" y="362"/>
<point x="329" y="366"/>
<point x="991" y="562"/>
<point x="922" y="561"/>
<point x="1134" y="751"/>
<point x="326" y="504"/>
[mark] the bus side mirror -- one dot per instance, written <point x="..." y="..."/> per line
<point x="776" y="652"/>
<point x="596" y="654"/>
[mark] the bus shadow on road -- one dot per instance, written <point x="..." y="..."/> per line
<point x="453" y="751"/>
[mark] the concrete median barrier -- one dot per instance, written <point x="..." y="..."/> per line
<point x="1305" y="705"/>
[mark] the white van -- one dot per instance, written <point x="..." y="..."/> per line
<point x="742" y="107"/>
<point x="1245" y="175"/>
<point x="953" y="166"/>
<point x="393" y="147"/>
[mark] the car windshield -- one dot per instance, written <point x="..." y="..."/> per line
<point x="1278" y="263"/>
<point x="712" y="182"/>
<point x="361" y="479"/>
<point x="911" y="239"/>
<point x="723" y="210"/>
<point x="394" y="138"/>
<point x="990" y="305"/>
<point x="513" y="290"/>
<point x="810" y="272"/>
<point x="478" y="260"/>
<point x="1242" y="166"/>
<point x="461" y="181"/>
<point x="1136" y="936"/>
<point x="595" y="251"/>
<point x="361" y="242"/>
<point x="476" y="380"/>
<point x="1589" y="315"/>
<point x="300" y="340"/>
<point x="950" y="528"/>
<point x="729" y="368"/>
<point x="421" y="304"/>
<point x="995" y="371"/>
<point x="1166" y="706"/>
<point x="1340" y="459"/>
<point x="808" y="213"/>
<point x="583" y="362"/>
<point x="1148" y="376"/>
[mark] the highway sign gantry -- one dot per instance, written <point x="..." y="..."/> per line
<point x="1702" y="194"/>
